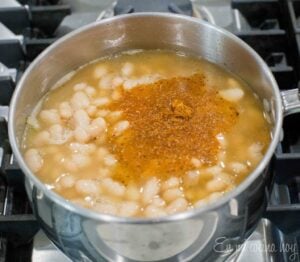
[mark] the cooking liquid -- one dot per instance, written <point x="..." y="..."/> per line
<point x="166" y="115"/>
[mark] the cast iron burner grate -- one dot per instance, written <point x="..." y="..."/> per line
<point x="183" y="7"/>
<point x="271" y="27"/>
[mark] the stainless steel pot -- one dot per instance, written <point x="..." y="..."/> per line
<point x="208" y="233"/>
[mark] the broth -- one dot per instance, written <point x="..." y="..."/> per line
<point x="147" y="134"/>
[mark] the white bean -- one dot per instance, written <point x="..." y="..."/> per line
<point x="114" y="116"/>
<point x="109" y="160"/>
<point x="50" y="116"/>
<point x="147" y="79"/>
<point x="81" y="135"/>
<point x="100" y="102"/>
<point x="87" y="187"/>
<point x="178" y="205"/>
<point x="34" y="160"/>
<point x="127" y="69"/>
<point x="59" y="135"/>
<point x="130" y="84"/>
<point x="80" y="100"/>
<point x="154" y="211"/>
<point x="81" y="118"/>
<point x="214" y="170"/>
<point x="32" y="121"/>
<point x="216" y="185"/>
<point x="82" y="148"/>
<point x="157" y="201"/>
<point x="91" y="110"/>
<point x="65" y="110"/>
<point x="120" y="127"/>
<point x="170" y="183"/>
<point x="128" y="209"/>
<point x="196" y="162"/>
<point x="81" y="160"/>
<point x="56" y="131"/>
<point x="106" y="82"/>
<point x="42" y="138"/>
<point x="232" y="94"/>
<point x="238" y="167"/>
<point x="70" y="165"/>
<point x="172" y="194"/>
<point x="150" y="190"/>
<point x="67" y="181"/>
<point x="103" y="112"/>
<point x="90" y="91"/>
<point x="114" y="188"/>
<point x="215" y="196"/>
<point x="79" y="86"/>
<point x="256" y="148"/>
<point x="192" y="177"/>
<point x="117" y="81"/>
<point x="255" y="151"/>
<point x="133" y="193"/>
<point x="226" y="178"/>
<point x="97" y="127"/>
<point x="100" y="71"/>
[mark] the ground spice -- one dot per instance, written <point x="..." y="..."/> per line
<point x="171" y="121"/>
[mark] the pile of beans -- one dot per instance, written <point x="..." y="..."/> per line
<point x="66" y="147"/>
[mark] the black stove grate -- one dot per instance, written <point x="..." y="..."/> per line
<point x="183" y="7"/>
<point x="28" y="29"/>
<point x="271" y="27"/>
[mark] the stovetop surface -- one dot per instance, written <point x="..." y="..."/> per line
<point x="261" y="246"/>
<point x="271" y="27"/>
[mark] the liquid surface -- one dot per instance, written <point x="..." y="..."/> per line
<point x="147" y="133"/>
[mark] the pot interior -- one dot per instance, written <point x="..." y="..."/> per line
<point x="143" y="31"/>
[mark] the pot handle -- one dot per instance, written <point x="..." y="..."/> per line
<point x="291" y="101"/>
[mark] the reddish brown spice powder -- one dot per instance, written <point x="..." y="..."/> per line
<point x="171" y="121"/>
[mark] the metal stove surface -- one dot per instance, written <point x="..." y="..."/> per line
<point x="218" y="12"/>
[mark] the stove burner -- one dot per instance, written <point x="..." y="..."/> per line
<point x="183" y="7"/>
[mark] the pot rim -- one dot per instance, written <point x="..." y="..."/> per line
<point x="88" y="213"/>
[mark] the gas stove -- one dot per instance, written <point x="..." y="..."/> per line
<point x="271" y="27"/>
